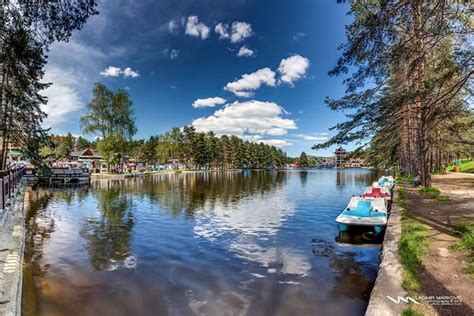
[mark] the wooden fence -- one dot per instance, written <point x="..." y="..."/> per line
<point x="9" y="182"/>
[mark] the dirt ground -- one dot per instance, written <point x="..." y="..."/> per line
<point x="443" y="273"/>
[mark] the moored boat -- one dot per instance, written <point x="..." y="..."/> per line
<point x="385" y="181"/>
<point x="369" y="213"/>
<point x="376" y="192"/>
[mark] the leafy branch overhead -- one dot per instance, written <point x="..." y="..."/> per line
<point x="413" y="75"/>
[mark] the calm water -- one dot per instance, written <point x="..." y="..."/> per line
<point x="223" y="243"/>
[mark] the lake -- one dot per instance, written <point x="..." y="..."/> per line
<point x="209" y="243"/>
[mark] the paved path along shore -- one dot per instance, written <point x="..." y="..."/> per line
<point x="12" y="232"/>
<point x="443" y="268"/>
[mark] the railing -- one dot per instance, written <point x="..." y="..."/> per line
<point x="9" y="182"/>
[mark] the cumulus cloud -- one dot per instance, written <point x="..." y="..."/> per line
<point x="63" y="97"/>
<point x="196" y="28"/>
<point x="273" y="142"/>
<point x="244" y="118"/>
<point x="222" y="30"/>
<point x="208" y="102"/>
<point x="237" y="32"/>
<point x="276" y="142"/>
<point x="112" y="71"/>
<point x="245" y="52"/>
<point x="245" y="86"/>
<point x="129" y="73"/>
<point x="293" y="68"/>
<point x="240" y="31"/>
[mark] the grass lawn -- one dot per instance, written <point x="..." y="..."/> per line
<point x="466" y="166"/>
<point x="465" y="231"/>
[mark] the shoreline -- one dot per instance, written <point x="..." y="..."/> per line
<point x="12" y="237"/>
<point x="389" y="276"/>
<point x="96" y="176"/>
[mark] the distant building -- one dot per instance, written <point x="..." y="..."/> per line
<point x="355" y="163"/>
<point x="340" y="157"/>
<point x="88" y="157"/>
<point x="13" y="152"/>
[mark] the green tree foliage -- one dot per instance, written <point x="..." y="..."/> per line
<point x="82" y="143"/>
<point x="198" y="150"/>
<point x="110" y="116"/>
<point x="27" y="28"/>
<point x="303" y="161"/>
<point x="413" y="71"/>
<point x="65" y="147"/>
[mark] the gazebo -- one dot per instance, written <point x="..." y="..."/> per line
<point x="340" y="157"/>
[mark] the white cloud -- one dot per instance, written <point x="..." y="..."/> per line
<point x="222" y="30"/>
<point x="293" y="68"/>
<point x="195" y="28"/>
<point x="315" y="137"/>
<point x="63" y="97"/>
<point x="244" y="118"/>
<point x="276" y="142"/>
<point x="298" y="36"/>
<point x="173" y="26"/>
<point x="129" y="73"/>
<point x="111" y="71"/>
<point x="171" y="53"/>
<point x="245" y="52"/>
<point x="208" y="102"/>
<point x="240" y="31"/>
<point x="244" y="87"/>
<point x="273" y="142"/>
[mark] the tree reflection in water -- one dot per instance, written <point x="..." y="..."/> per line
<point x="109" y="235"/>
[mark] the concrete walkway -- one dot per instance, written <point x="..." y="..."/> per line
<point x="389" y="279"/>
<point x="12" y="235"/>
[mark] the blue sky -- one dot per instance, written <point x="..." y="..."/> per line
<point x="169" y="54"/>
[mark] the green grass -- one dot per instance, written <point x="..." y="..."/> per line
<point x="466" y="166"/>
<point x="465" y="231"/>
<point x="410" y="311"/>
<point x="408" y="180"/>
<point x="412" y="246"/>
<point x="434" y="193"/>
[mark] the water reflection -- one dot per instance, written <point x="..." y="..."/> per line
<point x="197" y="243"/>
<point x="109" y="235"/>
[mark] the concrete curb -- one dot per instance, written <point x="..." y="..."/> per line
<point x="12" y="241"/>
<point x="389" y="278"/>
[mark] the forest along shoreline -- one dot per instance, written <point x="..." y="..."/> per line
<point x="436" y="246"/>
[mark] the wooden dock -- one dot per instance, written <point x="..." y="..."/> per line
<point x="60" y="176"/>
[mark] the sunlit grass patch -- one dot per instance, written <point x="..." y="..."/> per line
<point x="466" y="166"/>
<point x="429" y="192"/>
<point x="434" y="193"/>
<point x="412" y="246"/>
<point x="465" y="231"/>
<point x="405" y="179"/>
<point x="410" y="311"/>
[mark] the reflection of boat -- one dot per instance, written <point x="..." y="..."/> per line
<point x="371" y="193"/>
<point x="371" y="213"/>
